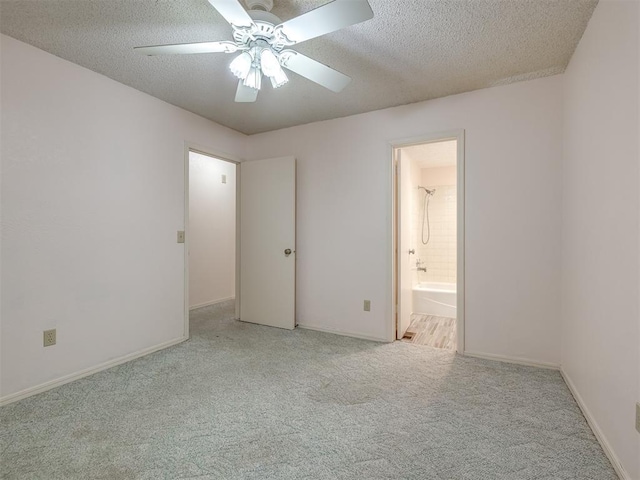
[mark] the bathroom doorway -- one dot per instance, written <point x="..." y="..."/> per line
<point x="428" y="243"/>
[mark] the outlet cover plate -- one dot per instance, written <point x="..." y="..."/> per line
<point x="49" y="337"/>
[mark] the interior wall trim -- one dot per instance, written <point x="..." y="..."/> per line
<point x="344" y="334"/>
<point x="517" y="360"/>
<point x="213" y="302"/>
<point x="43" y="387"/>
<point x="602" y="439"/>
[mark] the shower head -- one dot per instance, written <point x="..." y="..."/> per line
<point x="429" y="192"/>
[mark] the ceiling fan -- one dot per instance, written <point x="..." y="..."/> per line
<point x="263" y="41"/>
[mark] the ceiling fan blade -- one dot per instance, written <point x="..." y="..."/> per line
<point x="233" y="12"/>
<point x="326" y="19"/>
<point x="245" y="94"/>
<point x="314" y="71"/>
<point x="182" y="48"/>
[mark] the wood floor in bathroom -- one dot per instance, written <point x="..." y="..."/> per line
<point x="437" y="332"/>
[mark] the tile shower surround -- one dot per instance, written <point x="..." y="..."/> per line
<point x="439" y="256"/>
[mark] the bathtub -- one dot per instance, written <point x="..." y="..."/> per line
<point x="435" y="299"/>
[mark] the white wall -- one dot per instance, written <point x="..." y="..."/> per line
<point x="212" y="230"/>
<point x="92" y="197"/>
<point x="513" y="149"/>
<point x="600" y="241"/>
<point x="438" y="176"/>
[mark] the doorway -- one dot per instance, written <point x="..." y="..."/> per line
<point x="249" y="251"/>
<point x="211" y="232"/>
<point x="428" y="240"/>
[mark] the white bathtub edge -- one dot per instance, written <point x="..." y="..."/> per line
<point x="453" y="289"/>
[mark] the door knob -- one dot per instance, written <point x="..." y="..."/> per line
<point x="412" y="252"/>
<point x="287" y="252"/>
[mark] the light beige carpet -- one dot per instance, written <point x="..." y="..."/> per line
<point x="241" y="401"/>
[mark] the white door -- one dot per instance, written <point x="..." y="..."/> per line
<point x="405" y="293"/>
<point x="267" y="242"/>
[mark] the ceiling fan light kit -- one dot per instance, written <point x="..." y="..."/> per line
<point x="264" y="42"/>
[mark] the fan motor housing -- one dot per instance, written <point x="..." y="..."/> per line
<point x="262" y="16"/>
<point x="264" y="5"/>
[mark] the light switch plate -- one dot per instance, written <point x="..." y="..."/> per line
<point x="180" y="236"/>
<point x="224" y="179"/>
<point x="367" y="305"/>
<point x="638" y="417"/>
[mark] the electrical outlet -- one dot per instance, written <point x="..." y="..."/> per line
<point x="638" y="417"/>
<point x="367" y="305"/>
<point x="49" y="337"/>
<point x="180" y="236"/>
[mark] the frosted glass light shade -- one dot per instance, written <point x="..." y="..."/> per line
<point x="272" y="69"/>
<point x="269" y="62"/>
<point x="241" y="65"/>
<point x="253" y="78"/>
<point x="279" y="79"/>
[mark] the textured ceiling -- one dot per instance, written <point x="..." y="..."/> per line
<point x="435" y="154"/>
<point x="412" y="50"/>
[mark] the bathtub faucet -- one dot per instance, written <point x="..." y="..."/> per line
<point x="419" y="266"/>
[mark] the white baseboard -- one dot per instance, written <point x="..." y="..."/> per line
<point x="517" y="360"/>
<point x="213" y="302"/>
<point x="344" y="334"/>
<point x="43" y="387"/>
<point x="615" y="462"/>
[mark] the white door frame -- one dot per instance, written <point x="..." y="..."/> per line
<point x="192" y="147"/>
<point x="460" y="188"/>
